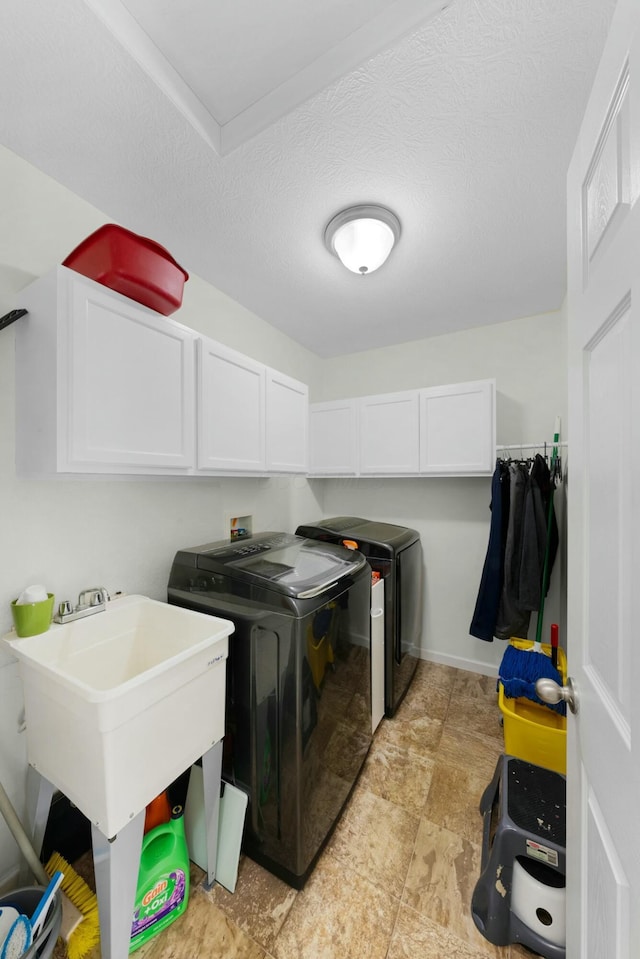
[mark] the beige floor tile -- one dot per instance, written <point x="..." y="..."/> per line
<point x="474" y="686"/>
<point x="471" y="751"/>
<point x="338" y="915"/>
<point x="428" y="699"/>
<point x="362" y="839"/>
<point x="417" y="936"/>
<point x="411" y="729"/>
<point x="204" y="930"/>
<point x="398" y="775"/>
<point x="440" y="883"/>
<point x="476" y="716"/>
<point x="430" y="690"/>
<point x="260" y="903"/>
<point x="454" y="800"/>
<point x="435" y="673"/>
<point x="473" y="705"/>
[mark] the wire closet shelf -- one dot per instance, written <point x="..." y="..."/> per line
<point x="546" y="447"/>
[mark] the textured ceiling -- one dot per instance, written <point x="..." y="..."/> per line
<point x="464" y="127"/>
<point x="235" y="69"/>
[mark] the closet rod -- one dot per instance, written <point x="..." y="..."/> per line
<point x="532" y="446"/>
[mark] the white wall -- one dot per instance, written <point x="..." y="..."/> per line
<point x="73" y="533"/>
<point x="527" y="357"/>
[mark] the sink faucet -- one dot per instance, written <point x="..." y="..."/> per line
<point x="98" y="596"/>
<point x="92" y="600"/>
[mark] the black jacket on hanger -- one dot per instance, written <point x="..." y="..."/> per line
<point x="511" y="582"/>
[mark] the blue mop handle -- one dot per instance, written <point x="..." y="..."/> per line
<point x="39" y="917"/>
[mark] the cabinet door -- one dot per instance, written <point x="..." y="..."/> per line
<point x="389" y="433"/>
<point x="231" y="410"/>
<point x="333" y="438"/>
<point x="457" y="429"/>
<point x="127" y="375"/>
<point x="287" y="416"/>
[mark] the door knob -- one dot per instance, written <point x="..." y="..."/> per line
<point x="550" y="692"/>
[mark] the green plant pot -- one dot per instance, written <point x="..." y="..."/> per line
<point x="30" y="619"/>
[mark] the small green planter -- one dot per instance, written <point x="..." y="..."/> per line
<point x="30" y="619"/>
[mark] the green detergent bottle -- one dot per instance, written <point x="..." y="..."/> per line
<point x="163" y="880"/>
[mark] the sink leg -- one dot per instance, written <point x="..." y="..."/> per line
<point x="117" y="863"/>
<point x="211" y="773"/>
<point x="39" y="796"/>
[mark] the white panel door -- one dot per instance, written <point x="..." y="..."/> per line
<point x="230" y="410"/>
<point x="457" y="429"/>
<point x="603" y="781"/>
<point x="287" y="423"/>
<point x="333" y="438"/>
<point x="128" y="377"/>
<point x="389" y="433"/>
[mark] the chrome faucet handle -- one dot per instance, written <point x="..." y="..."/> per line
<point x="98" y="595"/>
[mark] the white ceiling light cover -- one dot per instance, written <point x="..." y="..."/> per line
<point x="362" y="237"/>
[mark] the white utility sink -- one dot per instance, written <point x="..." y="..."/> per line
<point x="120" y="703"/>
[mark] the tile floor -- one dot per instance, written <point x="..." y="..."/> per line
<point x="396" y="878"/>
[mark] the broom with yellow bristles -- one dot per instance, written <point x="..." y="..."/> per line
<point x="80" y="924"/>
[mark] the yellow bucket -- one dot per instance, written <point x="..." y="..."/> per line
<point x="531" y="731"/>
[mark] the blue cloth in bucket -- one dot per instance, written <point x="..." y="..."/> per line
<point x="519" y="670"/>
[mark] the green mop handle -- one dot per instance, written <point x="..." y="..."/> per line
<point x="545" y="567"/>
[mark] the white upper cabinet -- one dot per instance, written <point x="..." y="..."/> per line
<point x="438" y="431"/>
<point x="106" y="385"/>
<point x="103" y="384"/>
<point x="287" y="412"/>
<point x="251" y="419"/>
<point x="231" y="410"/>
<point x="333" y="438"/>
<point x="389" y="433"/>
<point x="458" y="429"/>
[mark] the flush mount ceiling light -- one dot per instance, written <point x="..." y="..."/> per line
<point x="362" y="237"/>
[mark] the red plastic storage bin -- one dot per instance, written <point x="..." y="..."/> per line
<point x="132" y="265"/>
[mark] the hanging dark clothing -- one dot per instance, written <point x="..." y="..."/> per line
<point x="512" y="619"/>
<point x="534" y="536"/>
<point x="484" y="615"/>
<point x="511" y="582"/>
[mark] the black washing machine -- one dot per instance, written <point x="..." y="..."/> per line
<point x="395" y="552"/>
<point x="298" y="701"/>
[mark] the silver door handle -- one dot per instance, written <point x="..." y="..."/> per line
<point x="550" y="692"/>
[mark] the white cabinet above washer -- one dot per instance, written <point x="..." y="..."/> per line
<point x="287" y="416"/>
<point x="333" y="438"/>
<point x="251" y="418"/>
<point x="103" y="384"/>
<point x="231" y="409"/>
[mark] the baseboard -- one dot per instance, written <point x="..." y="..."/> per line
<point x="458" y="662"/>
